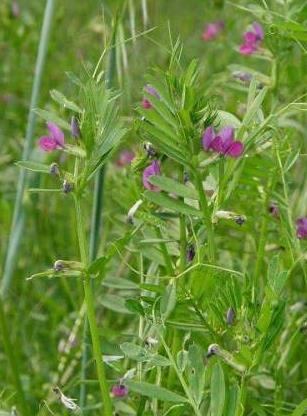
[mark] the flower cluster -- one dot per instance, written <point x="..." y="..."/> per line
<point x="223" y="142"/>
<point x="252" y="39"/>
<point x="212" y="30"/>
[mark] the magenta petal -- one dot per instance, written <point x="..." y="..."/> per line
<point x="151" y="170"/>
<point x="48" y="144"/>
<point x="146" y="104"/>
<point x="246" y="49"/>
<point x="56" y="133"/>
<point x="250" y="38"/>
<point x="227" y="134"/>
<point x="258" y="29"/>
<point x="217" y="145"/>
<point x="207" y="138"/>
<point x="235" y="149"/>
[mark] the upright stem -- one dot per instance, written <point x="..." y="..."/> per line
<point x="206" y="216"/>
<point x="89" y="301"/>
<point x="10" y="353"/>
<point x="18" y="215"/>
<point x="96" y="216"/>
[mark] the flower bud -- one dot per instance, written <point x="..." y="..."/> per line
<point x="58" y="266"/>
<point x="54" y="169"/>
<point x="67" y="187"/>
<point x="75" y="128"/>
<point x="149" y="149"/>
<point x="119" y="390"/>
<point x="213" y="349"/>
<point x="190" y="252"/>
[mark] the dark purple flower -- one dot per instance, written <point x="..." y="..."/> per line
<point x="54" y="141"/>
<point x="301" y="228"/>
<point x="223" y="142"/>
<point x="212" y="30"/>
<point x="252" y="40"/>
<point x="152" y="91"/>
<point x="125" y="158"/>
<point x="274" y="209"/>
<point x="152" y="170"/>
<point x="120" y="390"/>
<point x="75" y="128"/>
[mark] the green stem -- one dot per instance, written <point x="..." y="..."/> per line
<point x="10" y="353"/>
<point x="89" y="301"/>
<point x="18" y="215"/>
<point x="180" y="377"/>
<point x="206" y="216"/>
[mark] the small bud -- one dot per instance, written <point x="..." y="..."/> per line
<point x="230" y="316"/>
<point x="274" y="209"/>
<point x="240" y="219"/>
<point x="67" y="187"/>
<point x="119" y="390"/>
<point x="150" y="342"/>
<point x="186" y="177"/>
<point x="54" y="169"/>
<point x="75" y="128"/>
<point x="58" y="266"/>
<point x="245" y="77"/>
<point x="149" y="149"/>
<point x="190" y="252"/>
<point x="213" y="349"/>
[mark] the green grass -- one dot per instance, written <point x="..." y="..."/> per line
<point x="155" y="312"/>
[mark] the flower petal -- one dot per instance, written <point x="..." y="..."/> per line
<point x="235" y="149"/>
<point x="56" y="133"/>
<point x="250" y="38"/>
<point x="46" y="143"/>
<point x="207" y="138"/>
<point x="227" y="134"/>
<point x="151" y="170"/>
<point x="217" y="145"/>
<point x="258" y="30"/>
<point x="246" y="49"/>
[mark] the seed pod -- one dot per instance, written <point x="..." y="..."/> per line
<point x="240" y="219"/>
<point x="213" y="349"/>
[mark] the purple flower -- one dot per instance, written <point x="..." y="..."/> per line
<point x="152" y="170"/>
<point x="152" y="91"/>
<point x="120" y="390"/>
<point x="223" y="142"/>
<point x="301" y="228"/>
<point x="252" y="40"/>
<point x="212" y="30"/>
<point x="54" y="141"/>
<point x="125" y="158"/>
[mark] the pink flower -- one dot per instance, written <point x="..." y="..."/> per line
<point x="223" y="142"/>
<point x="252" y="40"/>
<point x="152" y="170"/>
<point x="54" y="141"/>
<point x="301" y="228"/>
<point x="119" y="390"/>
<point x="125" y="158"/>
<point x="212" y="30"/>
<point x="152" y="91"/>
